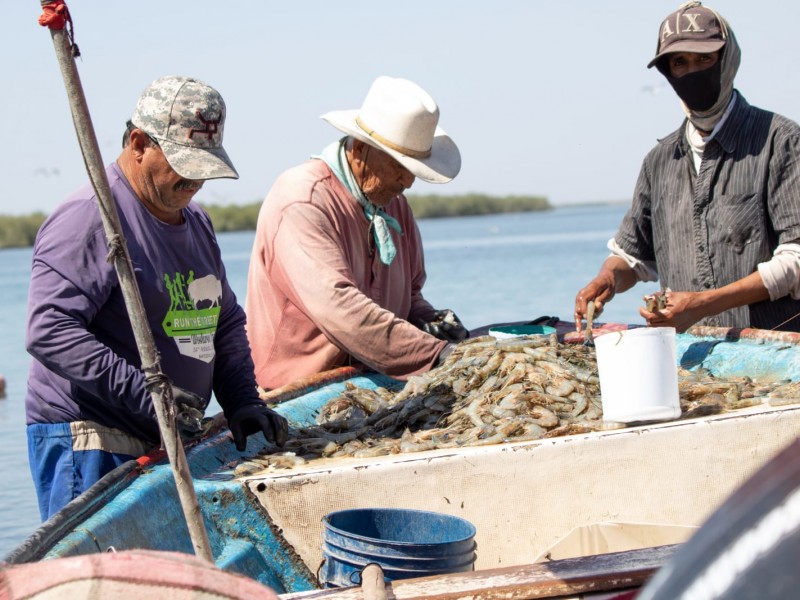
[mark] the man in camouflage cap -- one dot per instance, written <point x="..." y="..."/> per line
<point x="186" y="117"/>
<point x="88" y="407"/>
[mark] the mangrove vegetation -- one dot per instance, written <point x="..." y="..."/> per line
<point x="20" y="231"/>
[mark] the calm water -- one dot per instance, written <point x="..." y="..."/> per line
<point x="487" y="269"/>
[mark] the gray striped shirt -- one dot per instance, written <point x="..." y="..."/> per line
<point x="707" y="229"/>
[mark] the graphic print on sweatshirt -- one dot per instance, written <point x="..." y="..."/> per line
<point x="193" y="313"/>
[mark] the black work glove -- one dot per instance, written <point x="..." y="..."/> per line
<point x="252" y="418"/>
<point x="189" y="411"/>
<point x="445" y="326"/>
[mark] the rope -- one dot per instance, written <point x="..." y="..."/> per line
<point x="159" y="383"/>
<point x="785" y="322"/>
<point x="114" y="248"/>
<point x="155" y="381"/>
<point x="56" y="15"/>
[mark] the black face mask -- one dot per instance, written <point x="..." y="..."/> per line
<point x="699" y="90"/>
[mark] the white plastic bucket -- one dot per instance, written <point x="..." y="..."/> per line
<point x="638" y="374"/>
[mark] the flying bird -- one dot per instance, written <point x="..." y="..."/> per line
<point x="653" y="89"/>
<point x="46" y="172"/>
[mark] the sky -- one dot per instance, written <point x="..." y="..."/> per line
<point x="543" y="98"/>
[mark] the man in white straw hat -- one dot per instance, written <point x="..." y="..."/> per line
<point x="716" y="210"/>
<point x="88" y="407"/>
<point x="337" y="269"/>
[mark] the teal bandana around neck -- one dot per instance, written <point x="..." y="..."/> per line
<point x="335" y="157"/>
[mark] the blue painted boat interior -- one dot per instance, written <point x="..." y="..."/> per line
<point x="303" y="410"/>
<point x="765" y="360"/>
<point x="147" y="513"/>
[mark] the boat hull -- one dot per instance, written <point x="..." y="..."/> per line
<point x="522" y="497"/>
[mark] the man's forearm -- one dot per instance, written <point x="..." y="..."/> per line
<point x="623" y="276"/>
<point x="748" y="290"/>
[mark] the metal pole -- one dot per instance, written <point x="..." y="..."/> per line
<point x="161" y="392"/>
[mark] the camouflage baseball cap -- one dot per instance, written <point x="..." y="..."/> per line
<point x="186" y="117"/>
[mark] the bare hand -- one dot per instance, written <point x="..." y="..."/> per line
<point x="601" y="289"/>
<point x="683" y="310"/>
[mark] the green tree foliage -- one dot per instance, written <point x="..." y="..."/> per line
<point x="233" y="218"/>
<point x="434" y="205"/>
<point x="17" y="232"/>
<point x="244" y="217"/>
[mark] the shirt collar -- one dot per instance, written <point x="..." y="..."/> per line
<point x="729" y="133"/>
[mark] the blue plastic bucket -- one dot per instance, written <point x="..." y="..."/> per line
<point x="405" y="543"/>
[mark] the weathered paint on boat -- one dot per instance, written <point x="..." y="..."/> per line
<point x="146" y="513"/>
<point x="137" y="506"/>
<point x="769" y="355"/>
<point x="268" y="525"/>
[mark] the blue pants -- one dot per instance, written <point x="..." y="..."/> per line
<point x="61" y="473"/>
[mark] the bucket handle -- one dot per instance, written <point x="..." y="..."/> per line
<point x="319" y="570"/>
<point x="355" y="576"/>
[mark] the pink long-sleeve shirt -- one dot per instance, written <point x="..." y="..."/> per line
<point x="318" y="296"/>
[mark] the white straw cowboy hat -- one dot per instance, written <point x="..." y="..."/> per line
<point x="401" y="119"/>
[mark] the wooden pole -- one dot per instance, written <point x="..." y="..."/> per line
<point x="373" y="585"/>
<point x="161" y="391"/>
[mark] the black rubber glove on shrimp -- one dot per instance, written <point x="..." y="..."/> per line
<point x="189" y="412"/>
<point x="252" y="418"/>
<point x="445" y="326"/>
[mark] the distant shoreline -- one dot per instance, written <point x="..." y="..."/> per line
<point x="20" y="231"/>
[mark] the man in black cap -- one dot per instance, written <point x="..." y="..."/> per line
<point x="716" y="210"/>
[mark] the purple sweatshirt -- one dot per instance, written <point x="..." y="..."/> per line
<point x="86" y="364"/>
